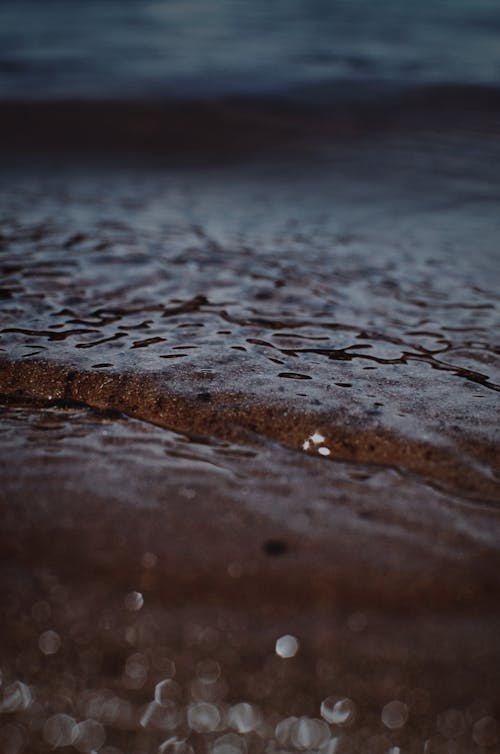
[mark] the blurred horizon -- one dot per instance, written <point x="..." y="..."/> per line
<point x="310" y="50"/>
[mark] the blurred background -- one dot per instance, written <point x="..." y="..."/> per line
<point x="310" y="50"/>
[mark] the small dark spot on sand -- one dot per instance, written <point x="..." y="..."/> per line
<point x="275" y="547"/>
<point x="264" y="294"/>
<point x="204" y="396"/>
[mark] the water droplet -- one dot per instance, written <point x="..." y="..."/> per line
<point x="357" y="622"/>
<point x="340" y="712"/>
<point x="88" y="736"/>
<point x="235" y="570"/>
<point x="451" y="723"/>
<point x="229" y="744"/>
<point x="149" y="560"/>
<point x="208" y="670"/>
<point x="331" y="746"/>
<point x="134" y="601"/>
<point x="207" y="691"/>
<point x="436" y="745"/>
<point x="394" y="715"/>
<point x="419" y="701"/>
<point x="287" y="646"/>
<point x="203" y="717"/>
<point x="175" y="746"/>
<point x="308" y="733"/>
<point x="486" y="731"/>
<point x="59" y="730"/>
<point x="165" y="716"/>
<point x="137" y="666"/>
<point x="283" y="730"/>
<point x="106" y="707"/>
<point x="243" y="717"/>
<point x="16" y="697"/>
<point x="49" y="642"/>
<point x="167" y="691"/>
<point x="162" y="662"/>
<point x="41" y="611"/>
<point x="478" y="709"/>
<point x="378" y="744"/>
<point x="13" y="739"/>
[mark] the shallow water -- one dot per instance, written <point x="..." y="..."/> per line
<point x="315" y="50"/>
<point x="356" y="302"/>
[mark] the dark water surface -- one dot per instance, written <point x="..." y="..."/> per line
<point x="322" y="49"/>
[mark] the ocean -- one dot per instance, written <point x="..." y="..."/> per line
<point x="195" y="49"/>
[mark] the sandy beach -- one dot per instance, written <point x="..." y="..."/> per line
<point x="242" y="399"/>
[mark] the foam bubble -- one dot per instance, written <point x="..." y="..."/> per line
<point x="317" y="438"/>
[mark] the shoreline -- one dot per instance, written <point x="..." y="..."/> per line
<point x="230" y="126"/>
<point x="459" y="465"/>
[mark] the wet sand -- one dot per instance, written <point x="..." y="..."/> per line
<point x="263" y="395"/>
